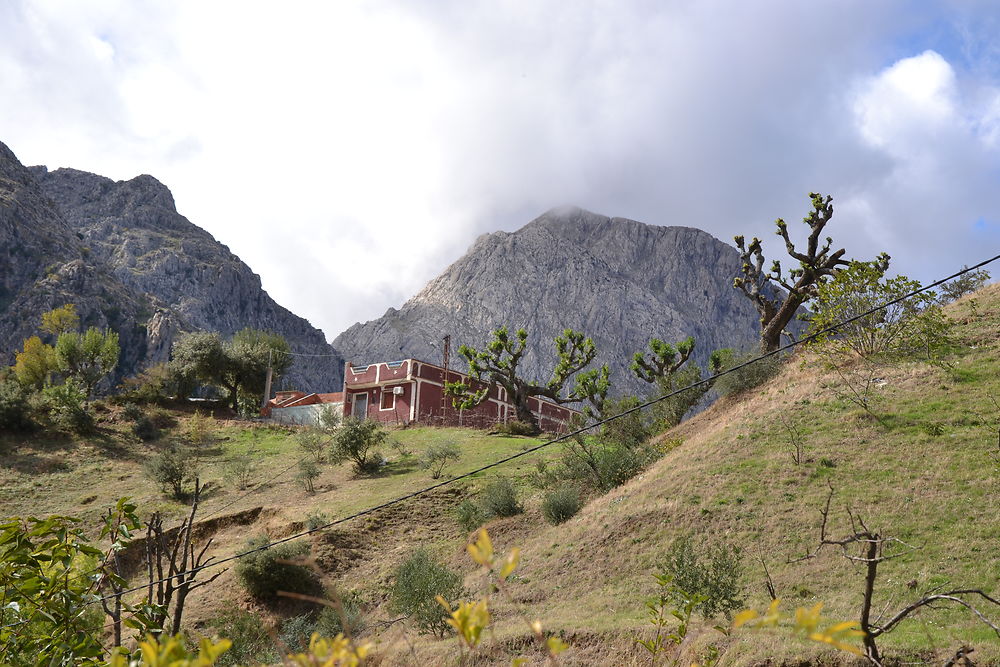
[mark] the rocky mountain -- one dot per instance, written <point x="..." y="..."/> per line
<point x="123" y="254"/>
<point x="619" y="281"/>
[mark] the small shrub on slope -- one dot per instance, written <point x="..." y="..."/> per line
<point x="266" y="572"/>
<point x="418" y="580"/>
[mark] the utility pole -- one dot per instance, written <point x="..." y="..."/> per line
<point x="267" y="383"/>
<point x="444" y="396"/>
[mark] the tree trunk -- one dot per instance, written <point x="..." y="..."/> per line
<point x="524" y="414"/>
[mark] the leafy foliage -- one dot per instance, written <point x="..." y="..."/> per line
<point x="437" y="457"/>
<point x="308" y="473"/>
<point x="913" y="327"/>
<point x="68" y="408"/>
<point x="966" y="283"/>
<point x="497" y="365"/>
<point x="263" y="573"/>
<point x="60" y="320"/>
<point x="89" y="356"/>
<point x="239" y="366"/>
<point x="816" y="265"/>
<point x="416" y="583"/>
<point x="173" y="469"/>
<point x="34" y="363"/>
<point x="561" y="504"/>
<point x="356" y="441"/>
<point x="15" y="408"/>
<point x="46" y="582"/>
<point x="499" y="498"/>
<point x="251" y="642"/>
<point x="713" y="572"/>
<point x="746" y="378"/>
<point x="470" y="515"/>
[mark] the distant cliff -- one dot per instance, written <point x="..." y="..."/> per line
<point x="128" y="260"/>
<point x="618" y="280"/>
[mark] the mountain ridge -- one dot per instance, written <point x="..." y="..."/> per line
<point x="139" y="266"/>
<point x="619" y="281"/>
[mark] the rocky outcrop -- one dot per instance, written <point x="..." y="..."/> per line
<point x="123" y="254"/>
<point x="620" y="281"/>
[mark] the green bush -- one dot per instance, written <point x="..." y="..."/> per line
<point x="355" y="441"/>
<point x="416" y="584"/>
<point x="499" y="498"/>
<point x="252" y="643"/>
<point x="308" y="472"/>
<point x="132" y="412"/>
<point x="470" y="515"/>
<point x="712" y="571"/>
<point x="296" y="631"/>
<point x="172" y="469"/>
<point x="437" y="457"/>
<point x="15" y="409"/>
<point x="347" y="620"/>
<point x="517" y="428"/>
<point x="68" y="407"/>
<point x="145" y="429"/>
<point x="561" y="504"/>
<point x="264" y="573"/>
<point x="748" y="377"/>
<point x="603" y="467"/>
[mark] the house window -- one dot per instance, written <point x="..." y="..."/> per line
<point x="388" y="399"/>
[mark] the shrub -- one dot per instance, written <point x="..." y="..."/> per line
<point x="347" y="619"/>
<point x="517" y="428"/>
<point x="416" y="583"/>
<point x="355" y="441"/>
<point x="710" y="571"/>
<point x="172" y="470"/>
<point x="603" y="467"/>
<point x="264" y="573"/>
<point x="15" y="409"/>
<point x="746" y="378"/>
<point x="132" y="412"/>
<point x="964" y="284"/>
<point x="68" y="408"/>
<point x="308" y="472"/>
<point x="499" y="498"/>
<point x="296" y="631"/>
<point x="312" y="442"/>
<point x="240" y="469"/>
<point x="316" y="519"/>
<point x="437" y="457"/>
<point x="200" y="430"/>
<point x="145" y="429"/>
<point x="470" y="515"/>
<point x="251" y="640"/>
<point x="561" y="504"/>
<point x="629" y="431"/>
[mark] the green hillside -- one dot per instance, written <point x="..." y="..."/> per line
<point x="925" y="469"/>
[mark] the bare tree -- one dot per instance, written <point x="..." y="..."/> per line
<point x="816" y="264"/>
<point x="172" y="565"/>
<point x="873" y="549"/>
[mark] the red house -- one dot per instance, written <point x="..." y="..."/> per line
<point x="412" y="391"/>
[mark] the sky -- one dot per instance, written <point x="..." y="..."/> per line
<point x="349" y="151"/>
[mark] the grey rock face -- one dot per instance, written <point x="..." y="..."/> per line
<point x="619" y="281"/>
<point x="128" y="260"/>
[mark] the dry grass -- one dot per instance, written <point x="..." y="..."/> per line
<point x="923" y="471"/>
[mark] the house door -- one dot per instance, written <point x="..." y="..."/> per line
<point x="360" y="407"/>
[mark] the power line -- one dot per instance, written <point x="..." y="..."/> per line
<point x="565" y="436"/>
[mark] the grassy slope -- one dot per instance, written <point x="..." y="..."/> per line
<point x="925" y="475"/>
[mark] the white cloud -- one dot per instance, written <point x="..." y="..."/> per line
<point x="349" y="151"/>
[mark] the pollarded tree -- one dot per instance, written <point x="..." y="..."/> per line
<point x="497" y="364"/>
<point x="89" y="356"/>
<point x="667" y="367"/>
<point x="665" y="359"/>
<point x="816" y="265"/>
